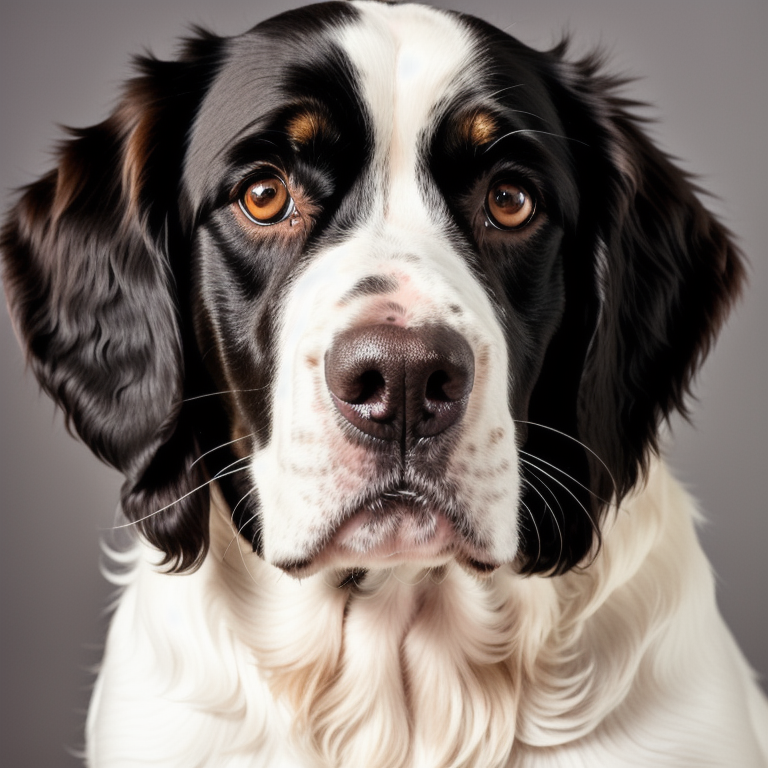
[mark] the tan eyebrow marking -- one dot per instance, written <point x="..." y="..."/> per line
<point x="477" y="128"/>
<point x="308" y="125"/>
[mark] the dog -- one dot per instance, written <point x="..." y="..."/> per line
<point x="380" y="313"/>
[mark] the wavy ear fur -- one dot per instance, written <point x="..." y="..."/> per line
<point x="650" y="276"/>
<point x="666" y="274"/>
<point x="88" y="257"/>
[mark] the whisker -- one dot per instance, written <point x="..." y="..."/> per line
<point x="507" y="88"/>
<point x="523" y="112"/>
<point x="551" y="512"/>
<point x="531" y="114"/>
<point x="241" y="528"/>
<point x="535" y="527"/>
<point x="532" y="130"/>
<point x="563" y="472"/>
<point x="223" y="392"/>
<point x="564" y="487"/>
<point x="217" y="476"/>
<point x="242" y="559"/>
<point x="578" y="442"/>
<point x="218" y="447"/>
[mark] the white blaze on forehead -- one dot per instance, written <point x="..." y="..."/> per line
<point x="410" y="59"/>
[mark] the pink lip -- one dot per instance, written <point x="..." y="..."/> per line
<point x="367" y="539"/>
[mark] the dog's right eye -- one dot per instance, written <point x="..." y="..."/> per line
<point x="266" y="200"/>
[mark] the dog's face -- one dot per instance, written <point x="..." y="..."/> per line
<point x="406" y="288"/>
<point x="363" y="201"/>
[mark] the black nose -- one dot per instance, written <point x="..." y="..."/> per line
<point x="398" y="383"/>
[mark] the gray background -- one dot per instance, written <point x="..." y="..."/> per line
<point x="703" y="65"/>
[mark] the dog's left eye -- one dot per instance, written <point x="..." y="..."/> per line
<point x="509" y="206"/>
<point x="266" y="200"/>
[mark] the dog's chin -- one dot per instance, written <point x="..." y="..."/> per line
<point x="370" y="539"/>
<point x="402" y="535"/>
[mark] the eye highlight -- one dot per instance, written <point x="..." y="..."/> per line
<point x="509" y="206"/>
<point x="266" y="200"/>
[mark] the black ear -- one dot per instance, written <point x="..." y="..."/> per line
<point x="89" y="253"/>
<point x="666" y="275"/>
<point x="650" y="276"/>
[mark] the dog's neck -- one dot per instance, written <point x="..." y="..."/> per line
<point x="438" y="663"/>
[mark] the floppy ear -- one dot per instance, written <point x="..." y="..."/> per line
<point x="666" y="273"/>
<point x="88" y="271"/>
<point x="650" y="275"/>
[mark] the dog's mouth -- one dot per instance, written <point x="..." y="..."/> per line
<point x="404" y="532"/>
<point x="395" y="527"/>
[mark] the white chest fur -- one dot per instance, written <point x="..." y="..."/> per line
<point x="239" y="665"/>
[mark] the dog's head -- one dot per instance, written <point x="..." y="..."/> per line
<point x="408" y="289"/>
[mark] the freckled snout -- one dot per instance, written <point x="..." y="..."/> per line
<point x="400" y="384"/>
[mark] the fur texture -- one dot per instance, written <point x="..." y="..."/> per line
<point x="379" y="312"/>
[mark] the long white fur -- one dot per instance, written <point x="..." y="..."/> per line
<point x="625" y="662"/>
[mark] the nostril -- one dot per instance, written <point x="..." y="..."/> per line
<point x="438" y="387"/>
<point x="366" y="397"/>
<point x="369" y="387"/>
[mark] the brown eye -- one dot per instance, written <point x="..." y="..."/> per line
<point x="266" y="201"/>
<point x="509" y="206"/>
